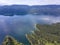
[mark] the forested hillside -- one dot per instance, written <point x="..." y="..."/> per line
<point x="45" y="35"/>
<point x="42" y="35"/>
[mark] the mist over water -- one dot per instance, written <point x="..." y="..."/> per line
<point x="18" y="26"/>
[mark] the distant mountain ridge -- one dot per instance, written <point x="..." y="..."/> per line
<point x="10" y="10"/>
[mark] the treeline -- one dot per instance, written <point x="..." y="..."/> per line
<point x="10" y="10"/>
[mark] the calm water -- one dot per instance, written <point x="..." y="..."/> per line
<point x="18" y="26"/>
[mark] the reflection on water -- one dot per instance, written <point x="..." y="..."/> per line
<point x="18" y="26"/>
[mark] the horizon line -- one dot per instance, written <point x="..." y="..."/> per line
<point x="28" y="5"/>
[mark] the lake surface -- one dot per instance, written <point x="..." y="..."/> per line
<point x="18" y="26"/>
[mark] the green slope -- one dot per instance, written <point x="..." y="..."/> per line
<point x="45" y="35"/>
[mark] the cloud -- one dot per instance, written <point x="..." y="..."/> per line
<point x="47" y="19"/>
<point x="51" y="19"/>
<point x="30" y="2"/>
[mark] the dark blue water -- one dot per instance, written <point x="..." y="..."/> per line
<point x="18" y="26"/>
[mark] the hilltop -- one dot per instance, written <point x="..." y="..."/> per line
<point x="10" y="41"/>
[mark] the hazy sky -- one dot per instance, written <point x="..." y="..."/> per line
<point x="29" y="2"/>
